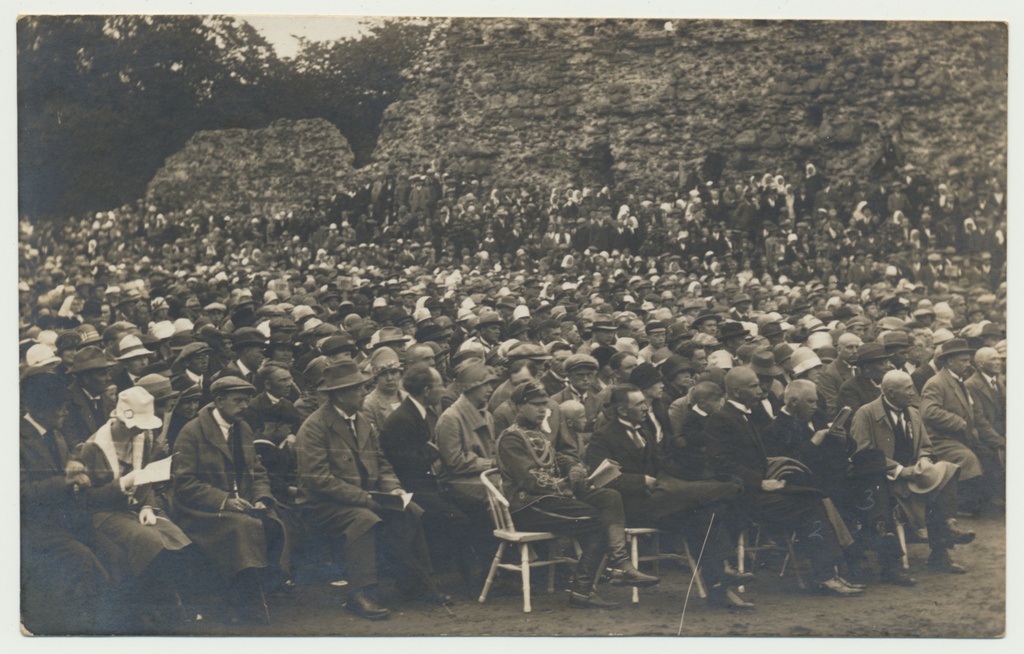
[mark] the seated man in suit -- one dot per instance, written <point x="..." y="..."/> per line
<point x="274" y="421"/>
<point x="958" y="428"/>
<point x="685" y="452"/>
<point x="735" y="448"/>
<point x="465" y="439"/>
<point x="407" y="440"/>
<point x="851" y="485"/>
<point x="223" y="500"/>
<point x="652" y="498"/>
<point x="989" y="394"/>
<point x="924" y="486"/>
<point x="61" y="578"/>
<point x="340" y="463"/>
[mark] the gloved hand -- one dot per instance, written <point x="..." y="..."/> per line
<point x="578" y="480"/>
<point x="147" y="516"/>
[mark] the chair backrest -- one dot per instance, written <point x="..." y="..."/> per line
<point x="497" y="503"/>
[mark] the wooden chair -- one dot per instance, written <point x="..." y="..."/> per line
<point x="743" y="549"/>
<point x="506" y="532"/>
<point x="633" y="535"/>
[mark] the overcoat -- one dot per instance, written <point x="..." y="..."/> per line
<point x="203" y="475"/>
<point x="952" y="417"/>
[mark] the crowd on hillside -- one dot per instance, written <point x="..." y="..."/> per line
<point x="485" y="347"/>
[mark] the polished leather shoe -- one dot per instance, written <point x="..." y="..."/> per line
<point x="590" y="600"/>
<point x="939" y="561"/>
<point x="957" y="535"/>
<point x="836" y="587"/>
<point x="897" y="577"/>
<point x="625" y="574"/>
<point x="364" y="607"/>
<point x="727" y="598"/>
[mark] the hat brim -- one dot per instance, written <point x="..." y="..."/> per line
<point x="345" y="382"/>
<point x="937" y="481"/>
<point x="961" y="350"/>
<point x="141" y="421"/>
<point x="135" y="354"/>
<point x="774" y="371"/>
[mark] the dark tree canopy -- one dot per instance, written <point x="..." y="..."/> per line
<point x="102" y="101"/>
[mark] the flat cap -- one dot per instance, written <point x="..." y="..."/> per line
<point x="231" y="384"/>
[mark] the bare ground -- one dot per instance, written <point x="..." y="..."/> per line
<point x="940" y="606"/>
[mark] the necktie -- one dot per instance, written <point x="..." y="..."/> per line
<point x="352" y="424"/>
<point x="237" y="455"/>
<point x="637" y="439"/>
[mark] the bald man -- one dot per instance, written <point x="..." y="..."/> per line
<point x="735" y="448"/>
<point x="891" y="424"/>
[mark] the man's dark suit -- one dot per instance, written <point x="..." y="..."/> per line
<point x="856" y="392"/>
<point x="673" y="504"/>
<point x="406" y="439"/>
<point x="61" y="578"/>
<point x="85" y="416"/>
<point x="735" y="448"/>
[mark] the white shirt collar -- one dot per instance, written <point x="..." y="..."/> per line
<point x="242" y="367"/>
<point x="198" y="379"/>
<point x="344" y="416"/>
<point x="225" y="426"/>
<point x="742" y="407"/>
<point x="31" y="421"/>
<point x="988" y="378"/>
<point x="273" y="400"/>
<point x="699" y="411"/>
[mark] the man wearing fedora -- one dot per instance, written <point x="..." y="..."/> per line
<point x="249" y="345"/>
<point x="339" y="464"/>
<point x="922" y="484"/>
<point x="767" y="409"/>
<point x="132" y="358"/>
<point x="959" y="430"/>
<point x="602" y="333"/>
<point x="91" y="396"/>
<point x="870" y="366"/>
<point x="223" y="499"/>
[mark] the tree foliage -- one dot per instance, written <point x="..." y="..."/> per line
<point x="102" y="101"/>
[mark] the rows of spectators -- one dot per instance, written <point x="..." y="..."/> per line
<point x="427" y="329"/>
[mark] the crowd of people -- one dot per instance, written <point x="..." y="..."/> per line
<point x="809" y="361"/>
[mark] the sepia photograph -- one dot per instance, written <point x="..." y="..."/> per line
<point x="375" y="324"/>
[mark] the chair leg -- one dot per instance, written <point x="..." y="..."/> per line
<point x="600" y="572"/>
<point x="796" y="569"/>
<point x="901" y="533"/>
<point x="552" y="554"/>
<point x="702" y="591"/>
<point x="741" y="556"/>
<point x="492" y="571"/>
<point x="656" y="546"/>
<point x="634" y="557"/>
<point x="524" y="566"/>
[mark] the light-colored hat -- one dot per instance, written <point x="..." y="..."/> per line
<point x="135" y="409"/>
<point x="131" y="347"/>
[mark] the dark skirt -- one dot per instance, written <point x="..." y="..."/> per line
<point x="129" y="546"/>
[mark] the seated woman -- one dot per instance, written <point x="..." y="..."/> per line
<point x="142" y="548"/>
